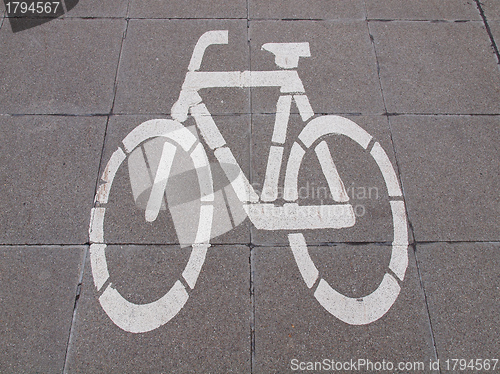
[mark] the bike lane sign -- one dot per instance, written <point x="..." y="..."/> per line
<point x="151" y="154"/>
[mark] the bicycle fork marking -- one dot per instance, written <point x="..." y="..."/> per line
<point x="262" y="211"/>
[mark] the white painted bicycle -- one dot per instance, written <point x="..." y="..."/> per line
<point x="261" y="210"/>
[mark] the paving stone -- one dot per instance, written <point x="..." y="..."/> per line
<point x="125" y="212"/>
<point x="461" y="283"/>
<point x="95" y="8"/>
<point x="295" y="9"/>
<point x="210" y="334"/>
<point x="491" y="9"/>
<point x="71" y="69"/>
<point x="360" y="175"/>
<point x="188" y="9"/>
<point x="437" y="68"/>
<point x="155" y="59"/>
<point x="450" y="175"/>
<point x="291" y="324"/>
<point x="49" y="168"/>
<point x="423" y="10"/>
<point x="337" y="77"/>
<point x="38" y="294"/>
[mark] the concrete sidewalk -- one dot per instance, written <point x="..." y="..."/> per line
<point x="420" y="77"/>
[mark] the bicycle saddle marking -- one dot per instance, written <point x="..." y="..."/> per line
<point x="287" y="54"/>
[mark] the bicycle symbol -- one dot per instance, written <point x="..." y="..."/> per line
<point x="261" y="210"/>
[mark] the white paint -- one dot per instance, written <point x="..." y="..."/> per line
<point x="359" y="311"/>
<point x="96" y="233"/>
<point x="399" y="222"/>
<point x="399" y="260"/>
<point x="292" y="216"/>
<point x="114" y="162"/>
<point x="99" y="265"/>
<point x="207" y="126"/>
<point x="207" y="39"/>
<point x="355" y="311"/>
<point x="292" y="172"/>
<point x="138" y="318"/>
<point x="159" y="127"/>
<point x="383" y="162"/>
<point x="187" y="99"/>
<point x="306" y="266"/>
<point x="195" y="263"/>
<point x="205" y="224"/>
<point x="287" y="54"/>
<point x="139" y="175"/>
<point x="160" y="182"/>
<point x="202" y="167"/>
<point x="282" y="117"/>
<point x="304" y="106"/>
<point x="337" y="188"/>
<point x="270" y="189"/>
<point x="288" y="80"/>
<point x="331" y="124"/>
<point x="240" y="184"/>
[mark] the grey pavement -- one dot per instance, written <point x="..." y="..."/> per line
<point x="420" y="77"/>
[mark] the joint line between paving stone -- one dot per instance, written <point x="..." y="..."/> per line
<point x="372" y="39"/>
<point x="187" y="18"/>
<point x="426" y="303"/>
<point x="66" y="17"/>
<point x="256" y="245"/>
<point x="353" y="114"/>
<point x="422" y="20"/>
<point x="229" y="211"/>
<point x="395" y="114"/>
<point x="250" y="177"/>
<point x="99" y="166"/>
<point x="365" y="9"/>
<point x="431" y="329"/>
<point x="115" y="86"/>
<point x="127" y="13"/>
<point x="252" y="310"/>
<point x="103" y="288"/>
<point x="371" y="144"/>
<point x="263" y="245"/>
<point x="110" y="113"/>
<point x="488" y="30"/>
<point x="75" y="307"/>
